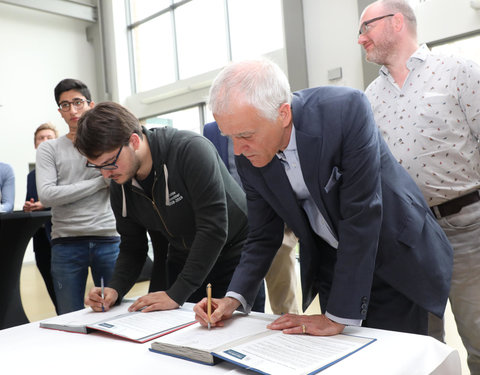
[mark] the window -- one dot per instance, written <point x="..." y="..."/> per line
<point x="201" y="40"/>
<point x="175" y="40"/>
<point x="465" y="47"/>
<point x="185" y="119"/>
<point x="176" y="48"/>
<point x="154" y="57"/>
<point x="255" y="27"/>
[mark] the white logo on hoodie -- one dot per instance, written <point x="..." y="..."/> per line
<point x="173" y="198"/>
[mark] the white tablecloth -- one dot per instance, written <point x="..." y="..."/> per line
<point x="29" y="349"/>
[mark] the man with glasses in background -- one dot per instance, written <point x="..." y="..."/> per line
<point x="83" y="225"/>
<point x="427" y="107"/>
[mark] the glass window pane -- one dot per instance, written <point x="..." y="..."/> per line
<point x="208" y="115"/>
<point x="201" y="37"/>
<point x="140" y="9"/>
<point x="154" y="53"/>
<point x="466" y="48"/>
<point x="255" y="27"/>
<point x="186" y="119"/>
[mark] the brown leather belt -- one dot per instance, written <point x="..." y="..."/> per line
<point x="455" y="205"/>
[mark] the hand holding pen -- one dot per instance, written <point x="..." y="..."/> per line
<point x="220" y="310"/>
<point x="100" y="300"/>
<point x="102" y="286"/>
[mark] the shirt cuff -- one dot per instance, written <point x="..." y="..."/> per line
<point x="244" y="307"/>
<point x="347" y="322"/>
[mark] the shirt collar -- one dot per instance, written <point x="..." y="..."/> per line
<point x="420" y="54"/>
<point x="292" y="144"/>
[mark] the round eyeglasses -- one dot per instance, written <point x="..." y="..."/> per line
<point x="77" y="104"/>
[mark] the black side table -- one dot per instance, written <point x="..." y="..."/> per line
<point x="16" y="230"/>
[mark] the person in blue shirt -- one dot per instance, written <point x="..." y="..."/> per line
<point x="7" y="187"/>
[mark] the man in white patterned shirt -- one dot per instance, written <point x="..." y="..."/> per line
<point x="428" y="110"/>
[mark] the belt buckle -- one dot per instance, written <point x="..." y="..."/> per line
<point x="436" y="212"/>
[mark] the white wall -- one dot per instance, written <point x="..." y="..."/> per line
<point x="331" y="29"/>
<point x="37" y="50"/>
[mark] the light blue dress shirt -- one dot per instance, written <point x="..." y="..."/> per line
<point x="291" y="163"/>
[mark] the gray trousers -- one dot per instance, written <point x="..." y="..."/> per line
<point x="463" y="231"/>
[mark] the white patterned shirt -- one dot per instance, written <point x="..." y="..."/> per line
<point x="432" y="123"/>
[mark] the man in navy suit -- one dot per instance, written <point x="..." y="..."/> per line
<point x="369" y="245"/>
<point x="281" y="277"/>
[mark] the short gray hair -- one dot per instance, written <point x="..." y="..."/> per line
<point x="403" y="7"/>
<point x="260" y="83"/>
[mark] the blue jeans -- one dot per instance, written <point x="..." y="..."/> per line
<point x="70" y="262"/>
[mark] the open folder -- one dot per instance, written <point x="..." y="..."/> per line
<point x="136" y="326"/>
<point x="245" y="341"/>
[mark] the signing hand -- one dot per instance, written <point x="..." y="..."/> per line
<point x="154" y="301"/>
<point x="316" y="325"/>
<point x="95" y="301"/>
<point x="222" y="309"/>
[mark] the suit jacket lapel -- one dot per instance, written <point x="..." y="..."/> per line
<point x="280" y="189"/>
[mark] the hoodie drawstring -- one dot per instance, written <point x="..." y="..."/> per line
<point x="167" y="193"/>
<point x="124" y="203"/>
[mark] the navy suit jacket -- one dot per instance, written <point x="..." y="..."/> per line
<point x="31" y="186"/>
<point x="40" y="240"/>
<point x="378" y="214"/>
<point x="220" y="142"/>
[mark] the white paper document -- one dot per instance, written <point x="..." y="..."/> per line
<point x="247" y="342"/>
<point x="78" y="321"/>
<point x="276" y="353"/>
<point x="137" y="326"/>
<point x="197" y="343"/>
<point x="142" y="327"/>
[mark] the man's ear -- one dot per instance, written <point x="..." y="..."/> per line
<point x="398" y="21"/>
<point x="285" y="114"/>
<point x="135" y="141"/>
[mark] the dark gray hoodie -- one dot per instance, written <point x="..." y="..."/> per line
<point x="195" y="204"/>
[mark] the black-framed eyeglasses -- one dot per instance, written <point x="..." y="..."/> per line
<point x="77" y="104"/>
<point x="108" y="167"/>
<point x="365" y="28"/>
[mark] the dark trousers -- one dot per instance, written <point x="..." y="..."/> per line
<point x="388" y="308"/>
<point x="219" y="277"/>
<point x="43" y="255"/>
<point x="391" y="310"/>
